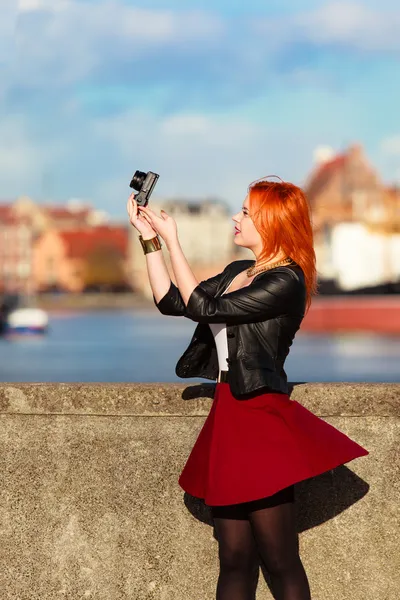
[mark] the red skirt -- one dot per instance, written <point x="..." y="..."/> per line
<point x="250" y="449"/>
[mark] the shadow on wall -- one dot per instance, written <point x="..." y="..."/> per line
<point x="317" y="500"/>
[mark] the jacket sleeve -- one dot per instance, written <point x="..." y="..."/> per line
<point x="268" y="297"/>
<point x="172" y="303"/>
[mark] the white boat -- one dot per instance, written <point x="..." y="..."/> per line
<point x="26" y="321"/>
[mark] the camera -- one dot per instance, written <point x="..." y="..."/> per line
<point x="144" y="184"/>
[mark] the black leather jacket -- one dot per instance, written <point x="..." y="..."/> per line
<point x="261" y="321"/>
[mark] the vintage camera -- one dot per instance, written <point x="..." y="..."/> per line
<point x="144" y="184"/>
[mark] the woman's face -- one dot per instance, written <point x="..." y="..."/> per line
<point x="245" y="232"/>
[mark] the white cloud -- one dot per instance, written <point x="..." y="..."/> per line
<point x="203" y="62"/>
<point x="196" y="155"/>
<point x="218" y="132"/>
<point x="348" y="24"/>
<point x="23" y="162"/>
<point x="71" y="38"/>
<point x="199" y="155"/>
<point x="19" y="157"/>
<point x="391" y="145"/>
<point x="61" y="42"/>
<point x="8" y="19"/>
<point x="32" y="5"/>
<point x="354" y="24"/>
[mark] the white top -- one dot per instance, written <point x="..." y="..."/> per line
<point x="221" y="341"/>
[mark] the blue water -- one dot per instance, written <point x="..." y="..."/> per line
<point x="128" y="346"/>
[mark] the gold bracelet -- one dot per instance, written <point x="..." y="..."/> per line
<point x="150" y="245"/>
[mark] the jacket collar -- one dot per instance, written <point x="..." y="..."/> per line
<point x="236" y="267"/>
<point x="230" y="273"/>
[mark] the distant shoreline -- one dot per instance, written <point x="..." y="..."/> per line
<point x="328" y="314"/>
<point x="102" y="301"/>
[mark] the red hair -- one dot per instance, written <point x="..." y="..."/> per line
<point x="281" y="214"/>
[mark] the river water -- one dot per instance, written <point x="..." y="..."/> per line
<point x="144" y="346"/>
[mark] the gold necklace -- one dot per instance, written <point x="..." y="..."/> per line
<point x="253" y="270"/>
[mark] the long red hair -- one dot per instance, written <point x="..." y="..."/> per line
<point x="281" y="214"/>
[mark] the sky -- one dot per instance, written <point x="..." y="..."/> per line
<point x="209" y="94"/>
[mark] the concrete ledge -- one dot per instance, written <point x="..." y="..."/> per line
<point x="90" y="506"/>
<point x="147" y="399"/>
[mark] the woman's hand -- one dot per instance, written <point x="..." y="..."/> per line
<point x="139" y="221"/>
<point x="164" y="225"/>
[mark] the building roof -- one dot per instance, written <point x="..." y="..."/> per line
<point x="323" y="173"/>
<point x="5" y="211"/>
<point x="59" y="215"/>
<point x="194" y="206"/>
<point x="9" y="217"/>
<point x="64" y="212"/>
<point x="80" y="243"/>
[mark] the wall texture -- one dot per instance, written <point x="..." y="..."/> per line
<point x="90" y="506"/>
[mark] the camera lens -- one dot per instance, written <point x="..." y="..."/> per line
<point x="138" y="180"/>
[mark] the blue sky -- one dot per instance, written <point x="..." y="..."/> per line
<point x="211" y="95"/>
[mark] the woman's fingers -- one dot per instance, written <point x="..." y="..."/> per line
<point x="132" y="209"/>
<point x="150" y="215"/>
<point x="146" y="219"/>
<point x="129" y="209"/>
<point x="146" y="210"/>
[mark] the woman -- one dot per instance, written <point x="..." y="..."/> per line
<point x="255" y="443"/>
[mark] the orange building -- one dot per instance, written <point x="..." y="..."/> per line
<point x="22" y="221"/>
<point x="73" y="215"/>
<point x="75" y="260"/>
<point x="345" y="188"/>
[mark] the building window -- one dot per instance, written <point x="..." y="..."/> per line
<point x="51" y="275"/>
<point x="24" y="269"/>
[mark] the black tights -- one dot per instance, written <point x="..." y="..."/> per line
<point x="261" y="530"/>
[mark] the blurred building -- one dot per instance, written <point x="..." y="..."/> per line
<point x="16" y="241"/>
<point x="362" y="256"/>
<point x="73" y="215"/>
<point x="22" y="222"/>
<point x="356" y="221"/>
<point x="205" y="231"/>
<point x="76" y="260"/>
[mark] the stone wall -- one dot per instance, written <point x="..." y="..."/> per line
<point x="91" y="507"/>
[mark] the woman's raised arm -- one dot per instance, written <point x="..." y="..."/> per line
<point x="276" y="293"/>
<point x="177" y="296"/>
<point x="157" y="270"/>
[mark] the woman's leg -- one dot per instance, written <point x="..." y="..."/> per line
<point x="238" y="556"/>
<point x="275" y="532"/>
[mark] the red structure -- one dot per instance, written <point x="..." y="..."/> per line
<point x="377" y="314"/>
